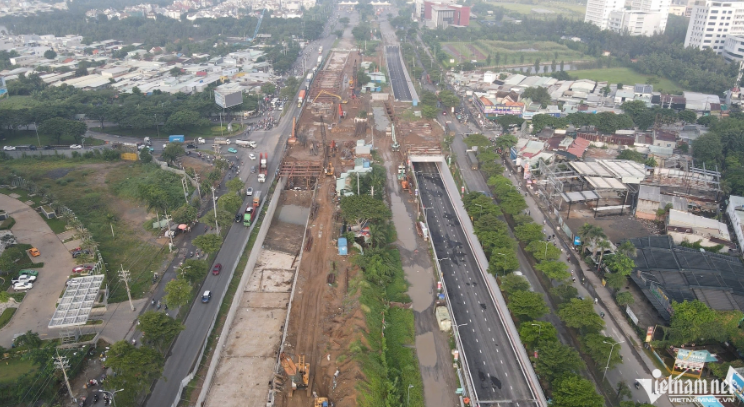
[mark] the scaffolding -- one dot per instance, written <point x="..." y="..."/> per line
<point x="301" y="174"/>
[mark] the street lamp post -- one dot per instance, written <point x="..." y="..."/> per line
<point x="112" y="393"/>
<point x="481" y="209"/>
<point x="410" y="386"/>
<point x="610" y="356"/>
<point x="539" y="330"/>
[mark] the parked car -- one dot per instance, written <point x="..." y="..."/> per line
<point x="253" y="169"/>
<point x="48" y="147"/>
<point x="252" y="156"/>
<point x="9" y="148"/>
<point x="206" y="296"/>
<point x="217" y="268"/>
<point x="76" y="147"/>
<point x="23" y="286"/>
<point x="190" y="146"/>
<point x="249" y="191"/>
<point x="32" y="147"/>
<point x="238" y="218"/>
<point x="23" y="279"/>
<point x="34" y="252"/>
<point x="28" y="272"/>
<point x="80" y="269"/>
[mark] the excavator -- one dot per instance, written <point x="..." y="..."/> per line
<point x="298" y="373"/>
<point x="325" y="92"/>
<point x="321" y="402"/>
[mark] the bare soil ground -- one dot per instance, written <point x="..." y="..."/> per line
<point x="323" y="321"/>
<point x="601" y="153"/>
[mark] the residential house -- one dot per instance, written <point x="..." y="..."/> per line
<point x="735" y="213"/>
<point x="683" y="226"/>
<point x="650" y="200"/>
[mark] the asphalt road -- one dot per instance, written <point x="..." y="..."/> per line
<point x="397" y="77"/>
<point x="493" y="364"/>
<point x="189" y="343"/>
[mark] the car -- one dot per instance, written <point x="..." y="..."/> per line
<point x="23" y="286"/>
<point x="444" y="113"/>
<point x="23" y="279"/>
<point x="28" y="272"/>
<point x="34" y="252"/>
<point x="76" y="147"/>
<point x="249" y="191"/>
<point x="201" y="140"/>
<point x="253" y="169"/>
<point x="206" y="296"/>
<point x="48" y="147"/>
<point x="232" y="150"/>
<point x="32" y="147"/>
<point x="252" y="156"/>
<point x="217" y="268"/>
<point x="9" y="148"/>
<point x="190" y="146"/>
<point x="80" y="269"/>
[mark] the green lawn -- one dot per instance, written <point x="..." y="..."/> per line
<point x="6" y="316"/>
<point x="19" y="102"/>
<point x="547" y="10"/>
<point x="28" y="137"/>
<point x="206" y="132"/>
<point x="626" y="76"/>
<point x="510" y="52"/>
<point x="11" y="369"/>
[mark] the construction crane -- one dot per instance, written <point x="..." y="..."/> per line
<point x="298" y="373"/>
<point x="258" y="25"/>
<point x="325" y="92"/>
<point x="396" y="145"/>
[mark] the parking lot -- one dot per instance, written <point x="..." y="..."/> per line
<point x="39" y="304"/>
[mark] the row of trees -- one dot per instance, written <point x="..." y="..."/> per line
<point x="722" y="148"/>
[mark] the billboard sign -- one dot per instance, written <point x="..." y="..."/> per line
<point x="227" y="100"/>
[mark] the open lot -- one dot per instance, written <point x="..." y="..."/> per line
<point x="626" y="76"/>
<point x="510" y="52"/>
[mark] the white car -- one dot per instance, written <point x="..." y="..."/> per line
<point x="23" y="286"/>
<point x="76" y="147"/>
<point x="9" y="148"/>
<point x="249" y="191"/>
<point x="201" y="140"/>
<point x="24" y="279"/>
<point x="252" y="156"/>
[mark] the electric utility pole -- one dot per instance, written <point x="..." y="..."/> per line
<point x="214" y="202"/>
<point x="62" y="364"/>
<point x="124" y="275"/>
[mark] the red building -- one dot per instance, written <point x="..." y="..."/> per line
<point x="441" y="15"/>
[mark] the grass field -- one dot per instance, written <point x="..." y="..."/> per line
<point x="19" y="102"/>
<point x="545" y="10"/>
<point x="6" y="316"/>
<point x="626" y="76"/>
<point x="13" y="368"/>
<point x="28" y="137"/>
<point x="510" y="52"/>
<point x="206" y="132"/>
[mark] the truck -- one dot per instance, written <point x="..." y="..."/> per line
<point x="221" y="140"/>
<point x="176" y="138"/>
<point x="263" y="163"/>
<point x="472" y="159"/>
<point x="320" y="50"/>
<point x="309" y="76"/>
<point x="261" y="177"/>
<point x="256" y="199"/>
<point x="320" y="59"/>
<point x="245" y="143"/>
<point x="301" y="98"/>
<point x="248" y="216"/>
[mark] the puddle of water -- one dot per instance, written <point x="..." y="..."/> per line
<point x="421" y="287"/>
<point x="403" y="223"/>
<point x="381" y="119"/>
<point x="425" y="349"/>
<point x="294" y="214"/>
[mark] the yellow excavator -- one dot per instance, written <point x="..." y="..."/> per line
<point x="325" y="92"/>
<point x="299" y="373"/>
<point x="321" y="402"/>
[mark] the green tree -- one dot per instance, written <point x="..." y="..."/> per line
<point x="145" y="156"/>
<point x="543" y="250"/>
<point x="194" y="270"/>
<point x="159" y="329"/>
<point x="538" y="95"/>
<point x="230" y="203"/>
<point x="580" y="314"/>
<point x="448" y="98"/>
<point x="175" y="71"/>
<point x="359" y="209"/>
<point x="615" y="280"/>
<point x="527" y="304"/>
<point x="623" y="391"/>
<point x="208" y="243"/>
<point x="691" y="321"/>
<point x="172" y="151"/>
<point x="533" y="333"/>
<point x="185" y="214"/>
<point x="624" y="298"/>
<point x="234" y="185"/>
<point x="529" y="232"/>
<point x="134" y="370"/>
<point x="627" y="248"/>
<point x="177" y="292"/>
<point x="512" y="283"/>
<point x="28" y="340"/>
<point x="268" y="89"/>
<point x="478" y="140"/>
<point x="58" y="127"/>
<point x="506" y="141"/>
<point x="554" y="270"/>
<point x="555" y="360"/>
<point x="503" y="260"/>
<point x="708" y="149"/>
<point x="565" y="292"/>
<point x="687" y="116"/>
<point x="185" y="120"/>
<point x="573" y="390"/>
<point x="620" y="263"/>
<point x="50" y="54"/>
<point x="598" y="347"/>
<point x="429" y="112"/>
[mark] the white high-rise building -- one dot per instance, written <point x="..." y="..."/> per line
<point x="646" y="17"/>
<point x="598" y="11"/>
<point x="712" y="22"/>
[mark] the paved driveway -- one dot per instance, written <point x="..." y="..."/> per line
<point x="37" y="308"/>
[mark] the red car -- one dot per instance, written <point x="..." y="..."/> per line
<point x="80" y="269"/>
<point x="216" y="269"/>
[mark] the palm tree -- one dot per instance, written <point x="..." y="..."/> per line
<point x="627" y="248"/>
<point x="603" y="245"/>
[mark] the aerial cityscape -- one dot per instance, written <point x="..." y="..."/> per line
<point x="314" y="203"/>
